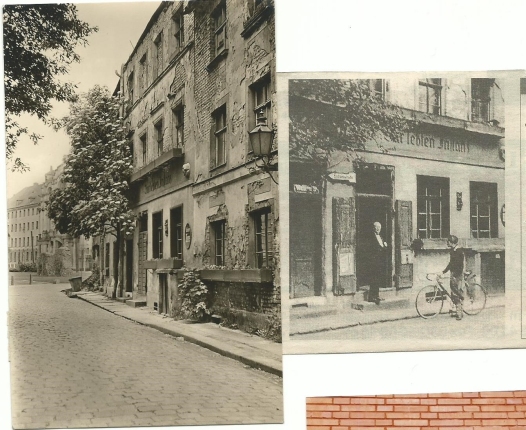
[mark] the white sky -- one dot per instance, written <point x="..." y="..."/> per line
<point x="120" y="26"/>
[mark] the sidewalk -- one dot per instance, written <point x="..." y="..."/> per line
<point x="251" y="350"/>
<point x="317" y="319"/>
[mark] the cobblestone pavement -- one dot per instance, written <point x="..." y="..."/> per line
<point x="76" y="365"/>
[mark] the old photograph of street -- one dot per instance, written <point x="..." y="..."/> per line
<point x="397" y="211"/>
<point x="142" y="214"/>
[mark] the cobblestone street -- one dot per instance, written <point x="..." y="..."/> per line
<point x="76" y="365"/>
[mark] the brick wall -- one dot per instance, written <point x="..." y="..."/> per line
<point x="496" y="410"/>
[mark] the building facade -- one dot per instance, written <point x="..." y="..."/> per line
<point x="444" y="176"/>
<point x="192" y="87"/>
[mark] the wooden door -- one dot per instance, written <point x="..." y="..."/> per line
<point x="403" y="241"/>
<point x="344" y="245"/>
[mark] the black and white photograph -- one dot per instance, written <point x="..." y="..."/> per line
<point x="142" y="214"/>
<point x="397" y="210"/>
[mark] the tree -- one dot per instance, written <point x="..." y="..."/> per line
<point x="39" y="47"/>
<point x="328" y="115"/>
<point x="92" y="200"/>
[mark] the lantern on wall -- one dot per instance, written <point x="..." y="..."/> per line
<point x="261" y="138"/>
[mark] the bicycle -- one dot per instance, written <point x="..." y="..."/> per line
<point x="430" y="299"/>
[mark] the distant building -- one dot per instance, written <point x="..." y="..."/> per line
<point x="192" y="86"/>
<point x="445" y="176"/>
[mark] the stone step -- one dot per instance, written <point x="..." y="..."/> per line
<point x="136" y="303"/>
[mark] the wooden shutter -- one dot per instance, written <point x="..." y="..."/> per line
<point x="344" y="245"/>
<point x="403" y="241"/>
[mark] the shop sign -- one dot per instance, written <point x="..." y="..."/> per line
<point x="436" y="143"/>
<point x="187" y="235"/>
<point x="157" y="180"/>
<point x="306" y="189"/>
<point x="343" y="177"/>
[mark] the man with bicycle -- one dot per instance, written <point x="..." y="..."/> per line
<point x="456" y="267"/>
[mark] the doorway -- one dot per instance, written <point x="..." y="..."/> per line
<point x="129" y="266"/>
<point x="164" y="300"/>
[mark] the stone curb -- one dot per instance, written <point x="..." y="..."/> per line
<point x="222" y="350"/>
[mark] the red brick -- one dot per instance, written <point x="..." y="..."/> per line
<point x="519" y="393"/>
<point x="490" y="415"/>
<point x="411" y="408"/>
<point x="317" y="414"/>
<point x="383" y="423"/>
<point x="340" y="428"/>
<point x="429" y="415"/>
<point x="470" y="394"/>
<point x="340" y="414"/>
<point x="319" y="400"/>
<point x="516" y="415"/>
<point x="489" y="401"/>
<point x="520" y="408"/>
<point x="446" y="395"/>
<point x="497" y="394"/>
<point x="456" y="401"/>
<point x="367" y="401"/>
<point x="410" y="423"/>
<point x="428" y="401"/>
<point x="451" y="408"/>
<point x="404" y="428"/>
<point x="514" y="401"/>
<point x="473" y="422"/>
<point x="321" y="422"/>
<point x="446" y="423"/>
<point x="322" y="408"/>
<point x="402" y="401"/>
<point x="457" y="428"/>
<point x="374" y="415"/>
<point x="455" y="415"/>
<point x="497" y="408"/>
<point x="401" y="415"/>
<point x="341" y="401"/>
<point x="322" y="428"/>
<point x="412" y="396"/>
<point x="384" y="408"/>
<point x="471" y="408"/>
<point x="358" y="408"/>
<point x="499" y="422"/>
<point x="359" y="422"/>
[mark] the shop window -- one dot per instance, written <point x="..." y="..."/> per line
<point x="178" y="126"/>
<point x="433" y="207"/>
<point x="430" y="95"/>
<point x="107" y="259"/>
<point x="219" y="18"/>
<point x="218" y="229"/>
<point x="481" y="99"/>
<point x="176" y="232"/>
<point x="158" y="126"/>
<point x="218" y="138"/>
<point x="484" y="210"/>
<point x="144" y="143"/>
<point x="158" y="65"/>
<point x="264" y="238"/>
<point x="157" y="231"/>
<point x="178" y="29"/>
<point x="261" y="101"/>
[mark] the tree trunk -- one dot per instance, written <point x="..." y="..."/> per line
<point x="121" y="261"/>
<point x="116" y="249"/>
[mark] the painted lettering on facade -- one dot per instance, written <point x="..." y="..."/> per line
<point x="157" y="180"/>
<point x="437" y="143"/>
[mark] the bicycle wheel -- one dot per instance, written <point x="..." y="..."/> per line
<point x="429" y="301"/>
<point x="474" y="299"/>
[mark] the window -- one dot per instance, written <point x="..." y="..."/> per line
<point x="433" y="207"/>
<point x="178" y="26"/>
<point x="15" y="227"/>
<point x="157" y="231"/>
<point x="219" y="17"/>
<point x="261" y="100"/>
<point x="379" y="88"/>
<point x="159" y="136"/>
<point x="264" y="238"/>
<point x="32" y="225"/>
<point x="218" y="231"/>
<point x="33" y="211"/>
<point x="158" y="65"/>
<point x="107" y="260"/>
<point x="143" y="140"/>
<point x="176" y="232"/>
<point x="430" y="96"/>
<point x="178" y="126"/>
<point x="143" y="69"/>
<point x="130" y="87"/>
<point x="481" y="99"/>
<point x="484" y="210"/>
<point x="218" y="144"/>
<point x="36" y="225"/>
<point x="143" y="222"/>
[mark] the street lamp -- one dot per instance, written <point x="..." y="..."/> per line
<point x="261" y="141"/>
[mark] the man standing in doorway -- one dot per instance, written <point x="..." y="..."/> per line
<point x="377" y="262"/>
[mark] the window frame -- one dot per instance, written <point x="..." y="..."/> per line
<point x="176" y="232"/>
<point x="158" y="127"/>
<point x="428" y="85"/>
<point x="144" y="142"/>
<point x="178" y="125"/>
<point x="479" y="101"/>
<point x="159" y="55"/>
<point x="424" y="184"/>
<point x="265" y="85"/>
<point x="143" y="65"/>
<point x="491" y="191"/>
<point x="263" y="238"/>
<point x="219" y="18"/>
<point x="157" y="234"/>
<point x="218" y="229"/>
<point x="178" y="29"/>
<point x="219" y="141"/>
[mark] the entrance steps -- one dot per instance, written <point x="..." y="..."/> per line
<point x="136" y="303"/>
<point x="391" y="299"/>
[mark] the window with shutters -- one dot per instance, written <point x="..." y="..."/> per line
<point x="157" y="233"/>
<point x="433" y="207"/>
<point x="263" y="238"/>
<point x="261" y="101"/>
<point x="176" y="232"/>
<point x="430" y="95"/>
<point x="219" y="19"/>
<point x="218" y="230"/>
<point x="481" y="99"/>
<point x="484" y="210"/>
<point x="218" y="138"/>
